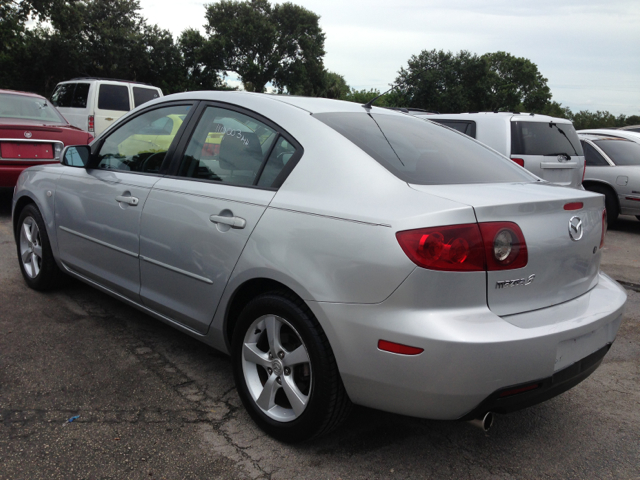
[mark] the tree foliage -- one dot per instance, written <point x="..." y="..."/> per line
<point x="464" y="82"/>
<point x="281" y="44"/>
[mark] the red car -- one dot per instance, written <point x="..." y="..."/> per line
<point x="32" y="132"/>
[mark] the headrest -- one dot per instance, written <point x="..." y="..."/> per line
<point x="240" y="151"/>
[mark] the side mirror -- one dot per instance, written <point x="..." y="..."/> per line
<point x="76" y="156"/>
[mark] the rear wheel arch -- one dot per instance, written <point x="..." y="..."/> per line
<point x="612" y="203"/>
<point x="243" y="295"/>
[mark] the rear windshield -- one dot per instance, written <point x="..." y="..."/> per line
<point x="622" y="152"/>
<point x="142" y="95"/>
<point x="71" y="95"/>
<point x="420" y="152"/>
<point x="29" y="108"/>
<point x="114" y="97"/>
<point x="463" y="126"/>
<point x="544" y="138"/>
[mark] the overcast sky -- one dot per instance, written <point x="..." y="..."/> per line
<point x="588" y="50"/>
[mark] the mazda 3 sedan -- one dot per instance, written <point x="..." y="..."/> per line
<point x="341" y="254"/>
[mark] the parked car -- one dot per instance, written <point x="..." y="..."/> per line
<point x="631" y="128"/>
<point x="339" y="254"/>
<point x="93" y="104"/>
<point x="613" y="170"/>
<point x="627" y="134"/>
<point x="32" y="132"/>
<point x="546" y="146"/>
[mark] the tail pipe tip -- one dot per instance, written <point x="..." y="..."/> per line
<point x="485" y="422"/>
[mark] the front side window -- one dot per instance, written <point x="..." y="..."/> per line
<point x="622" y="152"/>
<point x="592" y="156"/>
<point x="63" y="95"/>
<point x="423" y="153"/>
<point x="142" y="95"/>
<point x="141" y="144"/>
<point x="114" y="97"/>
<point x="230" y="147"/>
<point x="544" y="138"/>
<point x="80" y="95"/>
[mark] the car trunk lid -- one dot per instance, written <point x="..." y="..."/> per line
<point x="561" y="265"/>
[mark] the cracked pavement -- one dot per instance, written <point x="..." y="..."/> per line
<point x="153" y="403"/>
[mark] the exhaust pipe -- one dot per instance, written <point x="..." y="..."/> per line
<point x="485" y="422"/>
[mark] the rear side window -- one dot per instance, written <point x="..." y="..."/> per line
<point x="463" y="126"/>
<point x="423" y="153"/>
<point x="80" y="95"/>
<point x="114" y="97"/>
<point x="593" y="157"/>
<point x="63" y="95"/>
<point x="544" y="138"/>
<point x="142" y="95"/>
<point x="622" y="152"/>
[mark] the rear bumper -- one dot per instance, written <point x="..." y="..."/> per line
<point x="470" y="354"/>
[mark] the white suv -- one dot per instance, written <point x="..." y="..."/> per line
<point x="93" y="104"/>
<point x="546" y="146"/>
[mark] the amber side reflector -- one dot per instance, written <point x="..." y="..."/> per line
<point x="515" y="391"/>
<point x="574" y="206"/>
<point x="398" y="348"/>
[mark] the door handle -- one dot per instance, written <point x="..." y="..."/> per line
<point x="233" y="222"/>
<point x="133" y="201"/>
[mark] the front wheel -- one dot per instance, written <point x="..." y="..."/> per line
<point x="285" y="371"/>
<point x="37" y="265"/>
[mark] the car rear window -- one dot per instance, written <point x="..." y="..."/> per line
<point x="423" y="153"/>
<point x="114" y="97"/>
<point x="142" y="95"/>
<point x="622" y="152"/>
<point x="29" y="108"/>
<point x="544" y="138"/>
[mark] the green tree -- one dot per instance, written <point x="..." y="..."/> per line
<point x="599" y="119"/>
<point x="514" y="84"/>
<point x="200" y="62"/>
<point x="281" y="44"/>
<point x="333" y="86"/>
<point x="464" y="82"/>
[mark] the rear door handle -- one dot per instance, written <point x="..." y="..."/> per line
<point x="133" y="201"/>
<point x="233" y="222"/>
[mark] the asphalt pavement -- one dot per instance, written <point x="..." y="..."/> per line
<point x="93" y="389"/>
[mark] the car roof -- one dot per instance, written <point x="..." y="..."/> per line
<point x="16" y="92"/>
<point x="633" y="136"/>
<point x="601" y="136"/>
<point x="519" y="116"/>
<point x="310" y="104"/>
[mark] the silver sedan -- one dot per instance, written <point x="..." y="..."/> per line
<point x="340" y="253"/>
<point x="613" y="169"/>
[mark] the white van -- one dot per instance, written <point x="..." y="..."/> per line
<point x="546" y="146"/>
<point x="93" y="104"/>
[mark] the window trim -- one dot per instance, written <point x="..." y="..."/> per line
<point x="600" y="151"/>
<point x="178" y="154"/>
<point x="97" y="146"/>
<point x="441" y="121"/>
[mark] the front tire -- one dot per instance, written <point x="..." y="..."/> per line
<point x="37" y="265"/>
<point x="285" y="371"/>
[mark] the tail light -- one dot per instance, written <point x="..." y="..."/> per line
<point x="92" y="126"/>
<point x="504" y="245"/>
<point x="604" y="227"/>
<point x="466" y="248"/>
<point x="519" y="161"/>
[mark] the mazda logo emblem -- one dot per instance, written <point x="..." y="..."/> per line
<point x="575" y="228"/>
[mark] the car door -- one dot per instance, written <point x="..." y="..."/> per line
<point x="98" y="208"/>
<point x="197" y="221"/>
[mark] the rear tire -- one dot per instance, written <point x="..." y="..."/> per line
<point x="36" y="260"/>
<point x="285" y="370"/>
<point x="610" y="202"/>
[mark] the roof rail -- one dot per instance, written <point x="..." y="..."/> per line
<point x="109" y="79"/>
